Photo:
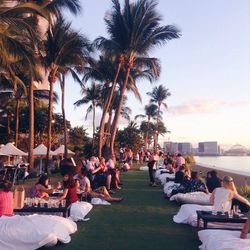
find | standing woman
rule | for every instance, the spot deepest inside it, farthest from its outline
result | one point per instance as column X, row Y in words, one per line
column 152, row 165
column 130, row 157
column 78, row 210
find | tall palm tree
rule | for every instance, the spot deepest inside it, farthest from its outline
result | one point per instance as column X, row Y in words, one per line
column 134, row 31
column 105, row 70
column 91, row 95
column 151, row 112
column 64, row 48
column 159, row 95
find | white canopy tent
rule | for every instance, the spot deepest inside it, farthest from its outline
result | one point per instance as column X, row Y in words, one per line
column 41, row 151
column 60, row 151
column 11, row 150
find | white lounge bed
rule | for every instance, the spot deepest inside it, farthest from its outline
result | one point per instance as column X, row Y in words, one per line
column 223, row 240
column 34, row 231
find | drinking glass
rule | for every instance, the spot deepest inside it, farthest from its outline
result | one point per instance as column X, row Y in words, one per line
column 26, row 201
column 49, row 203
column 230, row 213
column 29, row 202
column 57, row 203
column 41, row 203
column 214, row 211
column 63, row 203
column 235, row 209
column 35, row 202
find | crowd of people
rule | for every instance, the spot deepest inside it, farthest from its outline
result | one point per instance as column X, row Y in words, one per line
column 221, row 192
column 99, row 178
column 93, row 178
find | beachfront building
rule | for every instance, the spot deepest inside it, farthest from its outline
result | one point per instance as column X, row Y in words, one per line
column 178, row 147
column 208, row 148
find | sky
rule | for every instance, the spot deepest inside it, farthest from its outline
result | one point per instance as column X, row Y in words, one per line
column 207, row 70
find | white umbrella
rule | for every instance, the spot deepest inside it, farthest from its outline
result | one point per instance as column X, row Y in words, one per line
column 60, row 151
column 11, row 150
column 41, row 151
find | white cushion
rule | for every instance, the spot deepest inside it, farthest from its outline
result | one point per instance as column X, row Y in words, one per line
column 163, row 177
column 169, row 187
column 187, row 214
column 223, row 240
column 199, row 198
column 33, row 231
column 98, row 201
column 144, row 168
column 79, row 210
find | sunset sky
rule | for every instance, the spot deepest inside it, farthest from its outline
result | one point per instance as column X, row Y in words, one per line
column 207, row 70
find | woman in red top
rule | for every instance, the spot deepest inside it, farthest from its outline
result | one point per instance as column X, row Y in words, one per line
column 6, row 199
column 70, row 187
column 78, row 210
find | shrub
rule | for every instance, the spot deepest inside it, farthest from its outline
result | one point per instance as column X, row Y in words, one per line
column 245, row 191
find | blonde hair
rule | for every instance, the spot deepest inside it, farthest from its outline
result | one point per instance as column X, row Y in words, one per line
column 229, row 184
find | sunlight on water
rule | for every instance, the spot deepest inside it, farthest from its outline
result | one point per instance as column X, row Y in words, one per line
column 233, row 164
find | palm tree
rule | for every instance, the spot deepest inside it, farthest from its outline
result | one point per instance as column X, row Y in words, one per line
column 134, row 31
column 105, row 70
column 159, row 95
column 91, row 95
column 64, row 48
column 150, row 113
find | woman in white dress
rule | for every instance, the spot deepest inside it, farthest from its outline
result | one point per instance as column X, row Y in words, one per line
column 222, row 197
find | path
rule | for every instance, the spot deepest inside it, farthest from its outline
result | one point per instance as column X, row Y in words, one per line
column 142, row 221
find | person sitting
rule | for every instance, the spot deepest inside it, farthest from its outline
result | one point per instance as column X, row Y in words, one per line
column 246, row 228
column 180, row 160
column 180, row 176
column 192, row 185
column 6, row 198
column 100, row 192
column 92, row 170
column 102, row 174
column 222, row 197
column 40, row 189
column 212, row 181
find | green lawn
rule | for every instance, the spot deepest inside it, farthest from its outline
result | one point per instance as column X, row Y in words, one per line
column 142, row 221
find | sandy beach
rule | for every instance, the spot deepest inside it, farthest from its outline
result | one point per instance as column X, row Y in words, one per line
column 240, row 180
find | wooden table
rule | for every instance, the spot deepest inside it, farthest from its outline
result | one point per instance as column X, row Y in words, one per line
column 207, row 216
column 64, row 210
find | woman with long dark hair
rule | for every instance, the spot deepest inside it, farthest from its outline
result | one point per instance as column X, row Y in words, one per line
column 41, row 188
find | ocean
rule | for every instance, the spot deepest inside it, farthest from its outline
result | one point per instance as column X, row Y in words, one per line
column 232, row 164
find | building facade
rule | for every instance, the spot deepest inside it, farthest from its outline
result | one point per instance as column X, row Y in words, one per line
column 208, row 148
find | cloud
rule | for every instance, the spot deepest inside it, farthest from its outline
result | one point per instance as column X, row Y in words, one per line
column 197, row 106
column 204, row 106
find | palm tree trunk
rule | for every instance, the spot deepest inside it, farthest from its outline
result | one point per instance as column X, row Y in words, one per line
column 105, row 110
column 8, row 126
column 31, row 126
column 17, row 121
column 156, row 132
column 93, row 139
column 146, row 144
column 50, row 113
column 64, row 118
column 118, row 113
column 109, row 128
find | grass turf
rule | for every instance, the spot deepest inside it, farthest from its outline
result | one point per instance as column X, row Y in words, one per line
column 142, row 221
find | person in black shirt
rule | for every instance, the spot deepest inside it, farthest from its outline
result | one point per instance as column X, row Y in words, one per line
column 213, row 181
